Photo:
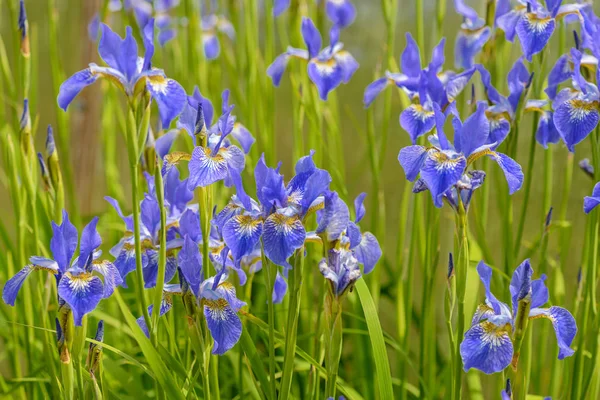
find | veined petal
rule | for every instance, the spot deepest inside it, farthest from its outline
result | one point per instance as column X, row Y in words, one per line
column 112, row 277
column 326, row 75
column 485, row 274
column 120, row 54
column 63, row 242
column 212, row 48
column 165, row 305
column 70, row 88
column 411, row 159
column 417, row 121
column 280, row 289
column 546, row 131
column 534, row 33
column 368, row 251
column 169, row 95
column 512, row 170
column 150, row 269
column 591, row 202
column 373, row 90
column 341, row 12
column 282, row 235
column 206, row 169
column 277, row 68
column 90, row 241
column 241, row 234
column 234, row 156
column 311, row 36
column 224, row 325
column 468, row 46
column 125, row 262
column 82, row 291
column 359, row 207
column 411, row 57
column 564, row 327
column 14, row 284
column 441, row 171
column 334, row 218
column 190, row 263
column 520, row 284
column 487, row 347
column 189, row 225
column 575, row 119
column 348, row 64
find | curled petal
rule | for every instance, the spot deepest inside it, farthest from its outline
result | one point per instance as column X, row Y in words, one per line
column 127, row 220
column 546, row 131
column 564, row 327
column 277, row 68
column 82, row 292
column 485, row 274
column 14, row 284
column 63, row 242
column 280, row 289
column 359, row 207
column 211, row 44
column 373, row 90
column 487, row 347
column 224, row 325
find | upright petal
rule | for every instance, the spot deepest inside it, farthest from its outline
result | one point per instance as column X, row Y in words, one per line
column 82, row 291
column 282, row 236
column 112, row 277
column 411, row 57
column 468, row 46
column 280, row 289
column 315, row 186
column 334, row 218
column 120, row 54
column 125, row 262
column 485, row 274
column 224, row 325
column 190, row 263
column 359, row 207
column 564, row 327
column 520, row 284
column 341, row 12
column 475, row 131
column 312, row 37
column 63, row 242
column 539, row 292
column 70, row 88
column 90, row 241
column 212, row 48
column 487, row 347
column 546, row 130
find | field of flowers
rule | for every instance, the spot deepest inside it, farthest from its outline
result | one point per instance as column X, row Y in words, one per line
column 299, row 199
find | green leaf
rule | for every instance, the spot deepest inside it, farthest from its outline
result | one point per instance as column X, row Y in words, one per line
column 382, row 365
column 161, row 372
column 258, row 369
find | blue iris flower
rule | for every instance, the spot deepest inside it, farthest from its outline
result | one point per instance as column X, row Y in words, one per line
column 473, row 35
column 348, row 246
column 576, row 109
column 132, row 74
column 145, row 10
column 77, row 284
column 425, row 87
column 220, row 159
column 487, row 345
column 591, row 202
column 341, row 12
column 534, row 23
column 327, row 68
column 442, row 166
column 212, row 25
column 177, row 197
column 590, row 32
column 215, row 295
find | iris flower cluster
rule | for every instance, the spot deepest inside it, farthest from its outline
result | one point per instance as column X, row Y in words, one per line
column 341, row 12
column 494, row 339
column 327, row 68
column 443, row 167
column 78, row 285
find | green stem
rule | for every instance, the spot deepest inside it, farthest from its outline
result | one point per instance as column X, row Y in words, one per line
column 333, row 349
column 295, row 286
column 462, row 266
column 270, row 283
column 162, row 253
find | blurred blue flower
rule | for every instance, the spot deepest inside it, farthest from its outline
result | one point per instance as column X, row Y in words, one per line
column 76, row 283
column 487, row 345
column 132, row 74
column 341, row 12
column 471, row 38
column 442, row 166
column 327, row 68
column 212, row 25
column 534, row 24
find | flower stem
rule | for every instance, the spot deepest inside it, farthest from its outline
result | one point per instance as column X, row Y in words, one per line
column 270, row 283
column 333, row 349
column 295, row 286
column 462, row 266
column 162, row 255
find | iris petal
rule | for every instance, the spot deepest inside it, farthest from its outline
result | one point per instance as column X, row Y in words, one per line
column 282, row 235
column 359, row 207
column 211, row 45
column 241, row 234
column 334, row 218
column 280, row 6
column 575, row 119
column 341, row 12
column 112, row 277
column 486, row 347
column 165, row 306
column 90, row 241
column 280, row 289
column 368, row 251
column 546, row 131
column 125, row 262
column 14, row 284
column 417, row 121
column 512, row 170
column 70, row 88
column 468, row 46
column 411, row 57
column 206, row 168
column 534, row 33
column 411, row 159
column 63, row 242
column 440, row 171
column 348, row 64
column 564, row 327
column 170, row 97
column 373, row 90
column 591, row 202
column 311, row 36
column 520, row 284
column 243, row 136
column 82, row 292
column 326, row 75
column 224, row 325
column 485, row 274
column 277, row 68
column 190, row 262
column 120, row 54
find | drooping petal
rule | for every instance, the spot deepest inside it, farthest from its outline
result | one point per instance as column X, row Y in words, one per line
column 499, row 130
column 224, row 325
column 326, row 75
column 63, row 242
column 441, row 171
column 373, row 90
column 241, row 234
column 411, row 159
column 112, row 277
column 534, row 33
column 575, row 119
column 82, row 291
column 70, row 88
column 311, row 36
column 487, row 347
column 368, row 251
column 347, row 63
column 14, row 284
column 125, row 262
column 508, row 23
column 341, row 12
column 170, row 97
column 591, row 202
column 359, row 207
column 206, row 168
column 546, row 131
column 512, row 170
column 277, row 68
column 564, row 327
column 468, row 46
column 243, row 136
column 282, row 235
column 417, row 121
